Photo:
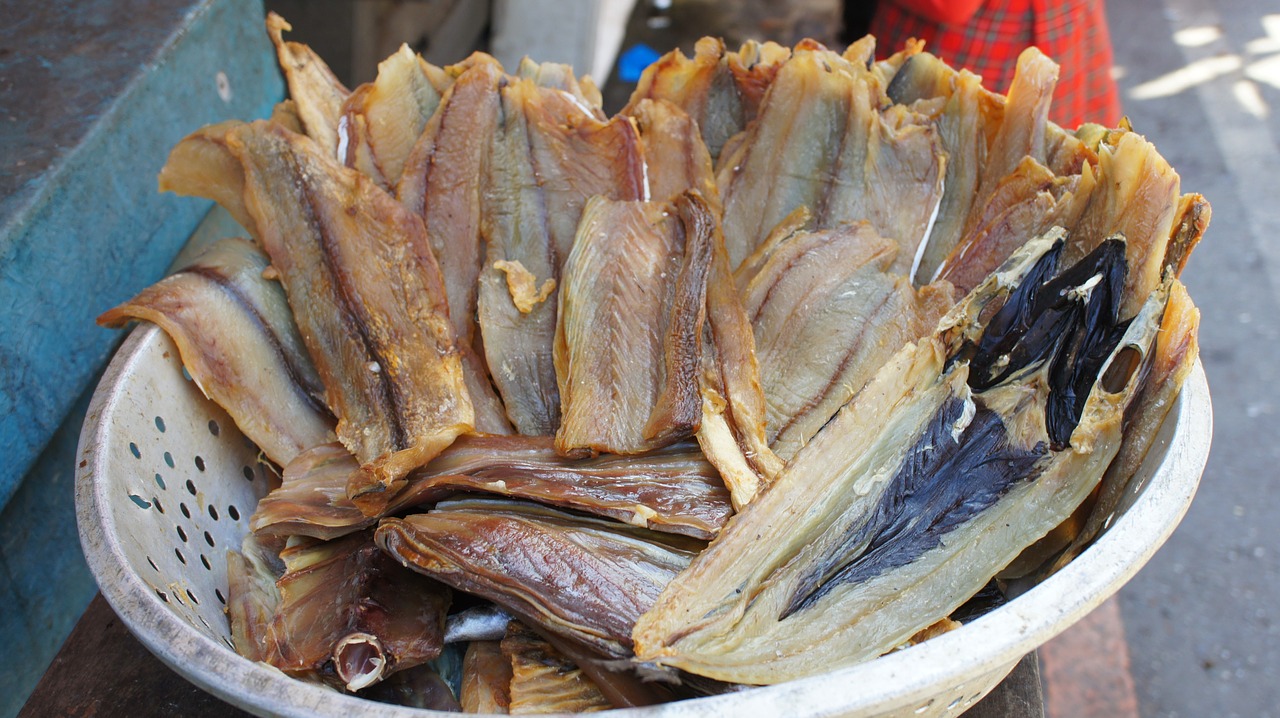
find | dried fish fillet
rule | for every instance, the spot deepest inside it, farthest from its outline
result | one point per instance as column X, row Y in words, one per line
column 822, row 141
column 675, row 158
column 340, row 611
column 443, row 181
column 732, row 433
column 801, row 582
column 720, row 90
column 826, row 314
column 548, row 152
column 316, row 92
column 581, row 578
column 381, row 121
column 201, row 165
column 629, row 333
column 673, row 490
column 368, row 297
column 486, row 679
column 544, row 680
column 239, row 343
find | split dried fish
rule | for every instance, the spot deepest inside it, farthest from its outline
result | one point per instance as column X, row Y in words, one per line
column 237, row 338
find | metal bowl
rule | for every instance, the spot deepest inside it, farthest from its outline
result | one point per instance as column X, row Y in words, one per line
column 166, row 484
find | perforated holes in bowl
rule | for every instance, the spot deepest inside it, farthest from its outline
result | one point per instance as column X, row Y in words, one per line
column 248, row 474
column 163, row 596
column 133, row 449
column 205, row 561
column 156, row 502
column 208, row 538
column 213, row 512
column 168, row 459
column 160, row 424
column 181, row 558
column 160, row 483
column 185, row 511
column 153, row 564
column 191, row 487
column 139, row 501
column 214, row 428
column 196, row 601
column 221, row 599
column 924, row 707
column 181, row 533
column 200, row 463
column 233, row 512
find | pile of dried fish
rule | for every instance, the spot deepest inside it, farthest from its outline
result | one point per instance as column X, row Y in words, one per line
column 883, row 338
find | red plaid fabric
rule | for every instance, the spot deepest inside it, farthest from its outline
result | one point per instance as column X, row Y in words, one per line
column 1072, row 32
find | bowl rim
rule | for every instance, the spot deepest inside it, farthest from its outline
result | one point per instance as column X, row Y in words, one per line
column 909, row 677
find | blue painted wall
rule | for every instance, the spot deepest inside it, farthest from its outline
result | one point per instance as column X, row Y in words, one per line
column 94, row 95
column 82, row 226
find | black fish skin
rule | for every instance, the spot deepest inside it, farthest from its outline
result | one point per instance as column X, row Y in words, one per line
column 942, row 483
column 1048, row 322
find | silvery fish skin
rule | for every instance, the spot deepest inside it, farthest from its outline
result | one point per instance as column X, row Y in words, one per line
column 316, row 92
column 370, row 302
column 581, row 578
column 548, row 151
column 826, row 313
column 629, row 328
column 673, row 490
column 822, row 141
column 238, row 340
column 381, row 120
column 804, row 581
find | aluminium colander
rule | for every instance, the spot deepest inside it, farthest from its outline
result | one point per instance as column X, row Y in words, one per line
column 165, row 486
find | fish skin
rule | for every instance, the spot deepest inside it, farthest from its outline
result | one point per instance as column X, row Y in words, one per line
column 369, row 301
column 581, row 578
column 673, row 490
column 380, row 121
column 629, row 327
column 675, row 157
column 547, row 152
column 821, row 140
column 316, row 92
column 443, row 182
column 826, row 314
column 238, row 340
column 722, row 620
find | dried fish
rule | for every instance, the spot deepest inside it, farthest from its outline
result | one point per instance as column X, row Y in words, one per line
column 548, row 151
column 629, row 333
column 443, row 181
column 674, row 490
column 675, row 158
column 720, row 90
column 367, row 294
column 316, row 92
column 822, row 141
column 238, row 341
column 543, row 680
column 381, row 120
column 826, row 314
column 582, row 578
column 486, row 678
column 801, row 582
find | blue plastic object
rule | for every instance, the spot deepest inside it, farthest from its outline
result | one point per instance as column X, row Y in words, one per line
column 631, row 64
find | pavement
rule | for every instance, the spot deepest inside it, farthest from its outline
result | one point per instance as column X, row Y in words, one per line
column 1201, row 79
